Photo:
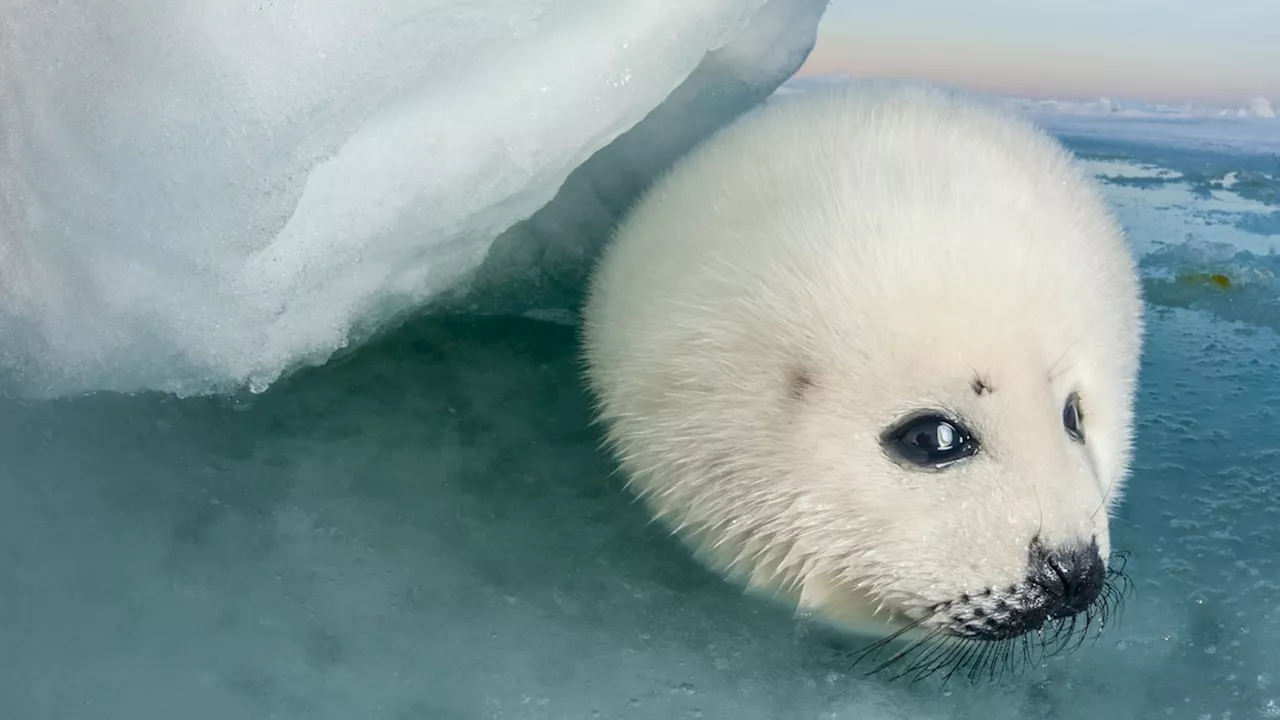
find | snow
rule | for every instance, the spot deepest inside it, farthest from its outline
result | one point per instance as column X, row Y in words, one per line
column 201, row 196
column 1261, row 107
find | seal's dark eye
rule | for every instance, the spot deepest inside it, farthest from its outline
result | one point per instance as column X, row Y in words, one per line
column 930, row 441
column 1073, row 418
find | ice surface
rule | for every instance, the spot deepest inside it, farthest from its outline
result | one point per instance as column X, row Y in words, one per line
column 202, row 194
column 1244, row 135
column 425, row 531
column 428, row 531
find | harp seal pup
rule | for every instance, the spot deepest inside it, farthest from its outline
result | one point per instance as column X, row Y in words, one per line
column 873, row 350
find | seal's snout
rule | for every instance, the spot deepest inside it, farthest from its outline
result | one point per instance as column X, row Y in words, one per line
column 1061, row 581
column 1072, row 576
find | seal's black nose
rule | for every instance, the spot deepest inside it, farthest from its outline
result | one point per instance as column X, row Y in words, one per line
column 1060, row 582
column 1071, row 575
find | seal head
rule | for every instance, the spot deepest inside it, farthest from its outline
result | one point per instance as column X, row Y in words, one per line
column 872, row 350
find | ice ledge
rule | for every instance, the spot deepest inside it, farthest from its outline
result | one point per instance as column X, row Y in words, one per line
column 202, row 196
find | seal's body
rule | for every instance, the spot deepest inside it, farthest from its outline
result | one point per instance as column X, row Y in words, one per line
column 873, row 350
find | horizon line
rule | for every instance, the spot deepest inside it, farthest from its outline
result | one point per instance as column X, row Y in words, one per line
column 806, row 73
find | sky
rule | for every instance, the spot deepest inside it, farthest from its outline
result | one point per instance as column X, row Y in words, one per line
column 1166, row 51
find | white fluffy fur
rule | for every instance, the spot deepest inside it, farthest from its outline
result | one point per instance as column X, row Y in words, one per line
column 822, row 267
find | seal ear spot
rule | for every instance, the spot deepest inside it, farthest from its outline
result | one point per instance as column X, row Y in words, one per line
column 981, row 386
column 799, row 380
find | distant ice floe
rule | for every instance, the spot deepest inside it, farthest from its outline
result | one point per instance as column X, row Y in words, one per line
column 1258, row 107
column 1207, row 238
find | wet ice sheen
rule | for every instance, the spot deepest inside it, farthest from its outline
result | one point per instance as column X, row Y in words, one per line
column 428, row 531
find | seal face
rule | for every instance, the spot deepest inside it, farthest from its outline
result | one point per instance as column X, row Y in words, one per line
column 872, row 350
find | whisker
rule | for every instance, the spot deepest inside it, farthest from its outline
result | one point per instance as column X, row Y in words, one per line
column 952, row 649
column 939, row 652
column 905, row 652
column 884, row 642
column 970, row 647
column 933, row 658
column 933, row 641
column 1054, row 370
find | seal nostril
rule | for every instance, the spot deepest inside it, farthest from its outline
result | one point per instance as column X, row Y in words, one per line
column 1060, row 568
column 1072, row 575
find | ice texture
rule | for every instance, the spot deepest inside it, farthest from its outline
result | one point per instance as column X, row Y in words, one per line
column 428, row 531
column 201, row 195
